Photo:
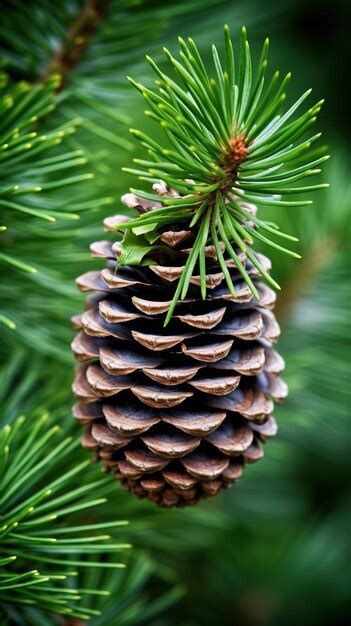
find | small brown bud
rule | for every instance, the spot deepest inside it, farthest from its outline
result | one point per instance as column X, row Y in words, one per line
column 239, row 149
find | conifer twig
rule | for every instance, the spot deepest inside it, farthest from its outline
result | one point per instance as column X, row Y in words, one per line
column 78, row 37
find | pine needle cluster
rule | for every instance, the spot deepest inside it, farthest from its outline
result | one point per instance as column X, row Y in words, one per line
column 46, row 538
column 231, row 145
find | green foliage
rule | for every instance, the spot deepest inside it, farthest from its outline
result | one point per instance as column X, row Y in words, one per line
column 134, row 606
column 22, row 106
column 38, row 206
column 230, row 145
column 44, row 538
column 29, row 178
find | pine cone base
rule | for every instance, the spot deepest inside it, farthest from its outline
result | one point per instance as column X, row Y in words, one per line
column 175, row 413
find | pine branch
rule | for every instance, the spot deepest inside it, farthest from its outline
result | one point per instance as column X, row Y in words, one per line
column 34, row 172
column 232, row 148
column 77, row 40
column 44, row 534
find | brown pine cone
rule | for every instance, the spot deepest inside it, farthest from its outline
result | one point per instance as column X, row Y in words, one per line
column 175, row 412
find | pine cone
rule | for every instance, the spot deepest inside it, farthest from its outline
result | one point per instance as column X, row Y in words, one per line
column 175, row 412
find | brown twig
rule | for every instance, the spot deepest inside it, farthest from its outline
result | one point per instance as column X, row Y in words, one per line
column 77, row 39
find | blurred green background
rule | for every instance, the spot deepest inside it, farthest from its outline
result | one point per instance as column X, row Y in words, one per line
column 276, row 549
